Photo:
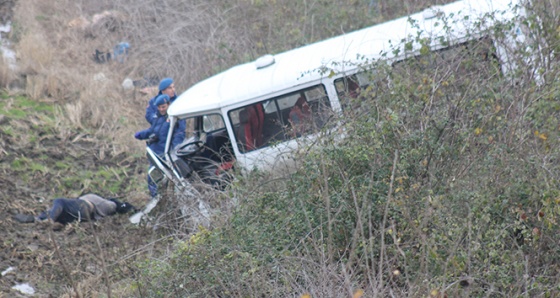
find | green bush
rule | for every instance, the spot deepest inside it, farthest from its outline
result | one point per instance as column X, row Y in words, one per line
column 446, row 181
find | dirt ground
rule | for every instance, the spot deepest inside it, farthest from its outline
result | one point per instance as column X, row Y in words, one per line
column 49, row 257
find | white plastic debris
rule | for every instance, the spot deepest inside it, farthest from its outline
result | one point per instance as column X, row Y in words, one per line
column 10, row 269
column 128, row 84
column 135, row 218
column 6, row 27
column 9, row 56
column 24, row 288
column 99, row 77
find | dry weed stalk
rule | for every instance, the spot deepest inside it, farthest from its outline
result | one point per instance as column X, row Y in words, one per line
column 103, row 263
column 7, row 75
column 73, row 113
column 380, row 283
column 63, row 264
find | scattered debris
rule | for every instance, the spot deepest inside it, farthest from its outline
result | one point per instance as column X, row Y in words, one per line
column 101, row 57
column 6, row 28
column 7, row 53
column 99, row 77
column 137, row 217
column 128, row 84
column 24, row 288
column 120, row 53
column 10, row 269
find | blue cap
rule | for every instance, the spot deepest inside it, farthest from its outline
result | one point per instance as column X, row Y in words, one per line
column 162, row 99
column 165, row 83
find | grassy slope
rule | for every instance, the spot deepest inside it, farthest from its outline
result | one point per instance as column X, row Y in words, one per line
column 37, row 164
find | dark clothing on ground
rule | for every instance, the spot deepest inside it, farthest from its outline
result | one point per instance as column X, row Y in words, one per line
column 69, row 210
column 85, row 208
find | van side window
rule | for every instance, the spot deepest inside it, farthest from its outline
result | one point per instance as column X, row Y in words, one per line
column 212, row 122
column 281, row 118
column 451, row 71
column 351, row 90
column 347, row 88
column 248, row 124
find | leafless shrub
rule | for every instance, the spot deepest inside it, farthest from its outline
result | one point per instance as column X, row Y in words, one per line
column 104, row 23
column 36, row 56
column 34, row 86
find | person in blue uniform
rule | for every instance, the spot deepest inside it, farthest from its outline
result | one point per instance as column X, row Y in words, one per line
column 166, row 86
column 156, row 135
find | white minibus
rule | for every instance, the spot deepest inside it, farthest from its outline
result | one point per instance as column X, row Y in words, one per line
column 253, row 115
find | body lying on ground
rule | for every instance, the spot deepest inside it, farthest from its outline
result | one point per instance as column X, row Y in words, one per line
column 88, row 207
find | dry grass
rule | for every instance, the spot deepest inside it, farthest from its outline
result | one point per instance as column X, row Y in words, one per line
column 56, row 61
column 7, row 75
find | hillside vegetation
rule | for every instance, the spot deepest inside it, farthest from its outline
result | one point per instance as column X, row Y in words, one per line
column 447, row 186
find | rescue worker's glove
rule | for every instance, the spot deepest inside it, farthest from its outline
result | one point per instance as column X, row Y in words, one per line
column 137, row 135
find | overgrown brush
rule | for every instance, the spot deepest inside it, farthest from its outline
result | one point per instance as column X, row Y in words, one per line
column 446, row 183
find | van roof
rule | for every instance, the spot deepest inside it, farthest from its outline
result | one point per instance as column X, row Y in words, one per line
column 245, row 82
